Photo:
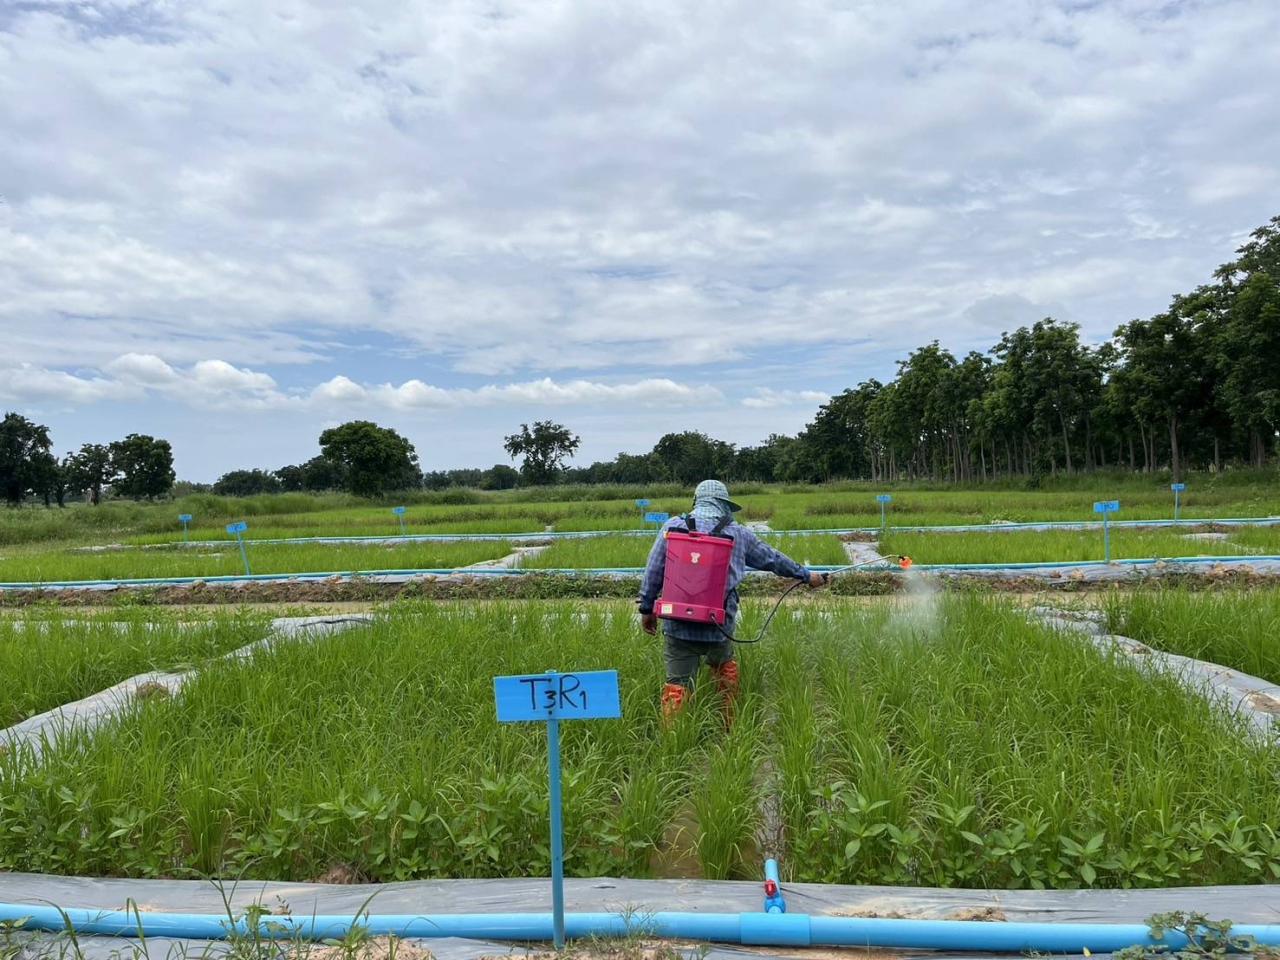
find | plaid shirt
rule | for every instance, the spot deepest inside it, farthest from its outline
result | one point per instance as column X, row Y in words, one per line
column 749, row 551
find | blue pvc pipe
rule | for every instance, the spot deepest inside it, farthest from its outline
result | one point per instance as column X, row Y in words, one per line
column 764, row 929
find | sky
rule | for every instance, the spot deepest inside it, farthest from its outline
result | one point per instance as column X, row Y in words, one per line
column 234, row 224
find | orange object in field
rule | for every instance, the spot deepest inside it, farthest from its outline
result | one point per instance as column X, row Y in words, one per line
column 904, row 562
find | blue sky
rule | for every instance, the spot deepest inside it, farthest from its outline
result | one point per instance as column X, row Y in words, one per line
column 233, row 228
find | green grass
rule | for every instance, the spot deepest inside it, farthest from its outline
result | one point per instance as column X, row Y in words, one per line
column 973, row 749
column 817, row 550
column 47, row 662
column 845, row 504
column 1237, row 629
column 1256, row 539
column 25, row 564
column 607, row 551
column 1051, row 545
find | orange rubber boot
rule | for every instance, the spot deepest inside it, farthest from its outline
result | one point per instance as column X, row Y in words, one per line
column 726, row 678
column 673, row 697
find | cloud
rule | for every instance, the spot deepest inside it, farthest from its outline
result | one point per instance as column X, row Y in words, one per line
column 766, row 398
column 216, row 384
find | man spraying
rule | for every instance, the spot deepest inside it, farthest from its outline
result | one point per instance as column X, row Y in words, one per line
column 706, row 544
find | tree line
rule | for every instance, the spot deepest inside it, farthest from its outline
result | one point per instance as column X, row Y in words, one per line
column 139, row 466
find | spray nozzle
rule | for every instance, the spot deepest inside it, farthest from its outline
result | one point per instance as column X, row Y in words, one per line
column 904, row 562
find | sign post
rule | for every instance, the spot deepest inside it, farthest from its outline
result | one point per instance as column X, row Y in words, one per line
column 185, row 520
column 658, row 518
column 552, row 697
column 642, row 504
column 1177, row 489
column 237, row 530
column 884, row 500
column 1106, row 508
column 399, row 512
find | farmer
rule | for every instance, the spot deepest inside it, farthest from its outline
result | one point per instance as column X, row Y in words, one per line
column 688, row 643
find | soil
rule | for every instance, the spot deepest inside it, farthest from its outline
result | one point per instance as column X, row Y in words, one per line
column 340, row 873
column 379, row 948
column 890, row 909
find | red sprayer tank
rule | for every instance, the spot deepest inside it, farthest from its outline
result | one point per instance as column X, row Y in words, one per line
column 696, row 577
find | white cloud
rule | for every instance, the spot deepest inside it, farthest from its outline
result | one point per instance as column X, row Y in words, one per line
column 765, row 398
column 216, row 384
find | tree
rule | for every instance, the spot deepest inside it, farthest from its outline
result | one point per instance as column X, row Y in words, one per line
column 145, row 465
column 317, row 474
column 500, row 477
column 544, row 449
column 24, row 447
column 90, row 470
column 373, row 459
column 246, row 483
column 690, row 457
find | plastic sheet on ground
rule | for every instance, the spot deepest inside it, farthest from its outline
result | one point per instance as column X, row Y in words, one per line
column 1244, row 904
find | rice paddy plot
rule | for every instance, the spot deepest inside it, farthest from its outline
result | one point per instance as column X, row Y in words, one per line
column 1045, row 546
column 592, row 552
column 48, row 662
column 952, row 745
column 1238, row 629
column 26, row 565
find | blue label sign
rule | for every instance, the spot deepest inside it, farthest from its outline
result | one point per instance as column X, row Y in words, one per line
column 657, row 517
column 398, row 511
column 239, row 527
column 184, row 518
column 592, row 695
column 883, row 498
column 642, row 504
column 1177, row 487
column 1106, row 506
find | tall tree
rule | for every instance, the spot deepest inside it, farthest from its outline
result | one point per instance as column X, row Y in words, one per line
column 689, row 457
column 374, row 459
column 24, row 445
column 145, row 465
column 545, row 447
column 91, row 469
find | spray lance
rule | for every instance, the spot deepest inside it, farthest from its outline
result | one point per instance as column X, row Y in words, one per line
column 902, row 560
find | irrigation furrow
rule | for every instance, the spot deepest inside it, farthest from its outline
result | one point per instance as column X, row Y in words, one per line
column 35, row 732
column 1252, row 697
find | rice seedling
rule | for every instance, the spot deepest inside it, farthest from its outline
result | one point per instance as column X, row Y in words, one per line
column 23, row 565
column 989, row 752
column 1238, row 629
column 47, row 662
column 592, row 552
column 975, row 749
column 1048, row 545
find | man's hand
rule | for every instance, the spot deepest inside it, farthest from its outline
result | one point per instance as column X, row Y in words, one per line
column 816, row 580
column 649, row 622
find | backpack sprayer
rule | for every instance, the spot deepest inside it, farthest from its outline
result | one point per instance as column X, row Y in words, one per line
column 696, row 577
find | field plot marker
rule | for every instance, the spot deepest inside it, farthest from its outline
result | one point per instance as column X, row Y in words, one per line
column 237, row 530
column 399, row 512
column 552, row 697
column 657, row 518
column 185, row 520
column 1106, row 508
column 884, row 500
column 1177, row 489
column 642, row 503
